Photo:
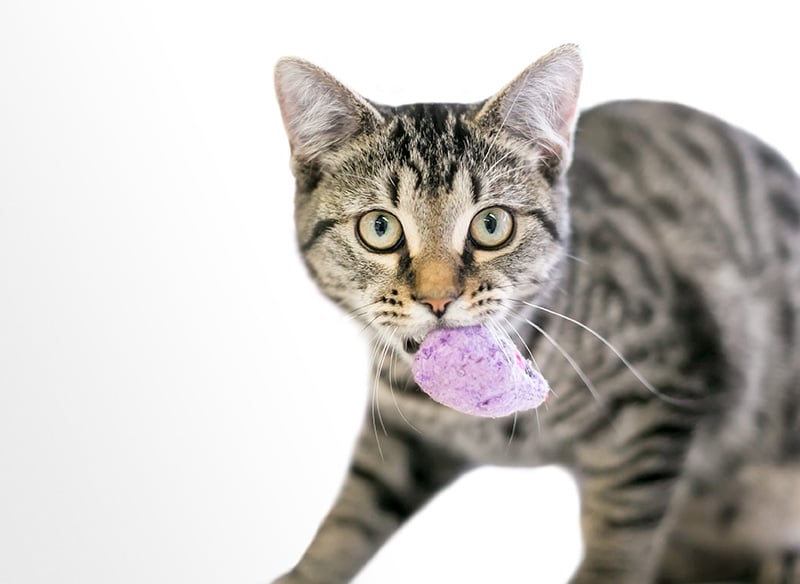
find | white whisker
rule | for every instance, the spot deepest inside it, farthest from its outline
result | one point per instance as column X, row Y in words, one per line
column 524, row 344
column 650, row 387
column 574, row 364
column 577, row 259
column 378, row 370
column 373, row 395
column 513, row 428
column 497, row 335
column 360, row 311
column 392, row 365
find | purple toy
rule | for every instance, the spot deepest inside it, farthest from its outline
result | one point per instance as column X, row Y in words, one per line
column 475, row 372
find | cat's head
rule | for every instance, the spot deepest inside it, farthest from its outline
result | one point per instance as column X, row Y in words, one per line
column 422, row 216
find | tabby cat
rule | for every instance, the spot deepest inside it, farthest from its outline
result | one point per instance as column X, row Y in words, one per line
column 648, row 257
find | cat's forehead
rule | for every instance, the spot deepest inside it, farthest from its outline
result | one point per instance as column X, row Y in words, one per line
column 434, row 138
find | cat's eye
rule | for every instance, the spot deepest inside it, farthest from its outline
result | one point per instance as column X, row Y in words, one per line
column 491, row 228
column 380, row 231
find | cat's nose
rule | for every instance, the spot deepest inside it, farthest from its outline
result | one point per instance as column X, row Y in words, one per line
column 437, row 305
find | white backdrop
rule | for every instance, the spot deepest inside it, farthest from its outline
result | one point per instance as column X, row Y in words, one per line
column 177, row 403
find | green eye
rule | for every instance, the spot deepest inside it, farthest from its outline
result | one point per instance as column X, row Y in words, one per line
column 491, row 228
column 380, row 231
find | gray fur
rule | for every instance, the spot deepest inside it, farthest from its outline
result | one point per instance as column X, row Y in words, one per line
column 673, row 236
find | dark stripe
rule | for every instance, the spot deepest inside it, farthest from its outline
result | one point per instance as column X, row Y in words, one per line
column 671, row 429
column 548, row 224
column 695, row 151
column 609, row 239
column 704, row 354
column 668, row 209
column 307, row 177
column 467, row 258
column 772, row 161
column 392, row 185
column 386, row 499
column 322, row 227
column 634, row 455
column 788, row 320
column 786, row 207
column 430, row 467
column 400, row 140
column 736, row 163
column 462, row 137
column 417, row 173
column 638, row 521
column 368, row 532
column 405, row 270
column 450, row 176
column 477, row 187
column 647, row 478
column 788, row 563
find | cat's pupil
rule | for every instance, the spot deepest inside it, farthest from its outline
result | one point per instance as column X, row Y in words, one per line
column 381, row 225
column 490, row 223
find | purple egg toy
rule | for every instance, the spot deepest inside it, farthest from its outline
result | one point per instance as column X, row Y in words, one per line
column 476, row 372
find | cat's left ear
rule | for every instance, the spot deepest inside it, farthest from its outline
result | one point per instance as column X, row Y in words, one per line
column 541, row 105
column 318, row 111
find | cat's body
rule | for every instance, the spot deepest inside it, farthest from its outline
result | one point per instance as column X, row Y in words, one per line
column 679, row 244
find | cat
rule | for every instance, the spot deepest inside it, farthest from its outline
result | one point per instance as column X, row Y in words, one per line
column 645, row 254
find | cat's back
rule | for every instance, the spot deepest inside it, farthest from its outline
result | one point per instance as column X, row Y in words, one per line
column 692, row 181
column 695, row 219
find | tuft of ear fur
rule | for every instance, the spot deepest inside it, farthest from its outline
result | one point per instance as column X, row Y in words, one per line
column 318, row 111
column 540, row 106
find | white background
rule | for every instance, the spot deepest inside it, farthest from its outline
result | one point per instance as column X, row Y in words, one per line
column 177, row 403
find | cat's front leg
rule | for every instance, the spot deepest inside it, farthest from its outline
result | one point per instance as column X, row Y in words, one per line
column 628, row 495
column 391, row 476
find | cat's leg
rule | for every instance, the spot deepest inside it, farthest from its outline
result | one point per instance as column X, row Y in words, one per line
column 630, row 482
column 385, row 485
column 622, row 543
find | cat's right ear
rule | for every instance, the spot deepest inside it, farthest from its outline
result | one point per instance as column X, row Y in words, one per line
column 319, row 113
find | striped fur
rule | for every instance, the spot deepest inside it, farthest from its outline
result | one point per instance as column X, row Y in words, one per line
column 671, row 247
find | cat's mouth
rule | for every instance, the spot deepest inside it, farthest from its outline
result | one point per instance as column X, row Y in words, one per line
column 411, row 346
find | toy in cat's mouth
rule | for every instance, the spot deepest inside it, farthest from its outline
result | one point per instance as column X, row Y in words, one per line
column 476, row 372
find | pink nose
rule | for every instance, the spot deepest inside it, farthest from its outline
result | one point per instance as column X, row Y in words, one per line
column 437, row 305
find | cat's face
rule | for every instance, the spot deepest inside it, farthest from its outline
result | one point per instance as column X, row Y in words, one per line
column 424, row 216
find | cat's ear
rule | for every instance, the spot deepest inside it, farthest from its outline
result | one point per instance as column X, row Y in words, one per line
column 318, row 111
column 541, row 105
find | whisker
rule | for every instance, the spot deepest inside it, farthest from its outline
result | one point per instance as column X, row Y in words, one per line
column 373, row 395
column 574, row 364
column 524, row 344
column 392, row 366
column 517, row 285
column 376, row 382
column 495, row 177
column 538, row 420
column 369, row 323
column 650, row 387
column 513, row 428
column 359, row 311
column 492, row 327
column 577, row 259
